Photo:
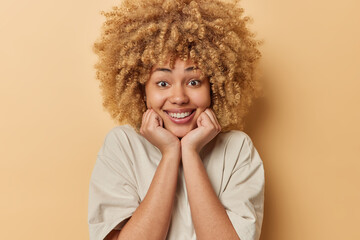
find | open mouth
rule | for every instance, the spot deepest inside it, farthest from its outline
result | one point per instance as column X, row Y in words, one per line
column 181, row 117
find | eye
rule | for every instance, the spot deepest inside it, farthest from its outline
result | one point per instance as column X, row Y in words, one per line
column 194, row 83
column 162, row 84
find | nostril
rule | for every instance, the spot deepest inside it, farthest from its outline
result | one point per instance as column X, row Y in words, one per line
column 179, row 97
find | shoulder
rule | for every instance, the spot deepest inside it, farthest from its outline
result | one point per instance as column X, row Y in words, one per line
column 120, row 138
column 121, row 134
column 239, row 147
column 236, row 138
column 121, row 131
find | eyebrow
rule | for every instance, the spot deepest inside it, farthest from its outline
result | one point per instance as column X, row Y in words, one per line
column 189, row 69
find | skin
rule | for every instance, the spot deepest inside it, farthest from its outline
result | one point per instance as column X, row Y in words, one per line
column 177, row 90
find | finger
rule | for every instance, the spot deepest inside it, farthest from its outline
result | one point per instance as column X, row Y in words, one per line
column 211, row 117
column 214, row 118
column 199, row 120
column 144, row 116
column 154, row 119
column 160, row 121
column 147, row 117
column 204, row 120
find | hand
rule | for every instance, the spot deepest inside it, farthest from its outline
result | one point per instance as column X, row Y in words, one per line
column 208, row 128
column 152, row 129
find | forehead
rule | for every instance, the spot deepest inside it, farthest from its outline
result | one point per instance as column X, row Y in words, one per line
column 179, row 65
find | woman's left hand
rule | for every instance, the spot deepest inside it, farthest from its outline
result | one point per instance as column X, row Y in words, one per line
column 208, row 128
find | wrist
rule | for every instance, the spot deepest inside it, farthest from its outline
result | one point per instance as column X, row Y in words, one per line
column 189, row 149
column 189, row 153
column 172, row 152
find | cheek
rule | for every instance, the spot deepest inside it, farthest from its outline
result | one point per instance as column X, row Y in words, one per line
column 202, row 100
column 155, row 101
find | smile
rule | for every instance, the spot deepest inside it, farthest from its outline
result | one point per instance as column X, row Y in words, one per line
column 181, row 117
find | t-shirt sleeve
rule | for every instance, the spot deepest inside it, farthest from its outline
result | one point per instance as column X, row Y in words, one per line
column 243, row 196
column 113, row 193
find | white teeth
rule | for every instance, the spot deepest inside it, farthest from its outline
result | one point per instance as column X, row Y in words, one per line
column 179, row 115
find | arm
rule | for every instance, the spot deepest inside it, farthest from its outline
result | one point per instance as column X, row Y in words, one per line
column 152, row 217
column 208, row 214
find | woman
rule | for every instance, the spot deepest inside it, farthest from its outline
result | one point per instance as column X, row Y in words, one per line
column 178, row 77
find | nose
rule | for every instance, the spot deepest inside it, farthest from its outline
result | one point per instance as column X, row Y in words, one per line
column 179, row 95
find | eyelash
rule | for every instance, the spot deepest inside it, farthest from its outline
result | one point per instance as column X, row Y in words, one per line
column 198, row 83
column 160, row 82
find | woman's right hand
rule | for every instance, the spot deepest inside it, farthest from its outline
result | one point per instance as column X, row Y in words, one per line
column 152, row 129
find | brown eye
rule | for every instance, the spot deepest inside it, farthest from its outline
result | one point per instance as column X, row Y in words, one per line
column 162, row 84
column 194, row 83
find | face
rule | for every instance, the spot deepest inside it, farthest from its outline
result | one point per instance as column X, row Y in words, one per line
column 178, row 95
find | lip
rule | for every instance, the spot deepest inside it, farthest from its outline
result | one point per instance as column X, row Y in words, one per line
column 182, row 120
column 180, row 110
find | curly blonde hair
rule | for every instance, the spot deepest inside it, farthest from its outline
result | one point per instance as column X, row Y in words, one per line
column 213, row 34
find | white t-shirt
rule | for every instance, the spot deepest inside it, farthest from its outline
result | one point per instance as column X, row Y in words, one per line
column 126, row 165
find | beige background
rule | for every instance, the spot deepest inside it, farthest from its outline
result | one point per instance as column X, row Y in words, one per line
column 306, row 127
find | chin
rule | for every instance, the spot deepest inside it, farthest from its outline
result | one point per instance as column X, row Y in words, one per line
column 179, row 132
